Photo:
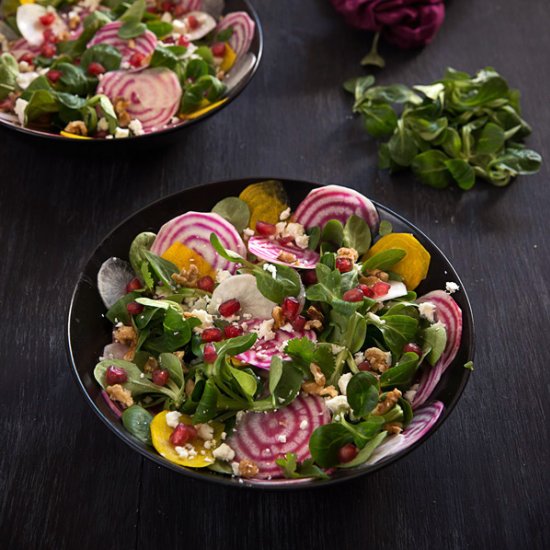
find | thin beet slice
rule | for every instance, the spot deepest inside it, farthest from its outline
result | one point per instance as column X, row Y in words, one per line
column 243, row 31
column 274, row 252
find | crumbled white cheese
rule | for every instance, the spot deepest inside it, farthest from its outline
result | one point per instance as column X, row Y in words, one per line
column 222, row 275
column 451, row 287
column 205, row 318
column 20, row 106
column 248, row 233
column 103, row 125
column 121, row 133
column 235, row 468
column 223, row 436
column 136, row 127
column 427, row 310
column 279, row 228
column 270, row 268
column 182, row 452
column 166, row 17
column 287, row 328
column 304, row 425
column 359, row 357
column 285, row 214
column 207, row 444
column 265, row 330
column 302, row 241
column 24, row 67
column 239, row 416
column 343, row 382
column 336, row 349
column 173, row 419
column 24, row 79
column 224, row 452
column 337, row 404
column 409, row 394
column 205, row 431
column 125, row 65
column 281, row 438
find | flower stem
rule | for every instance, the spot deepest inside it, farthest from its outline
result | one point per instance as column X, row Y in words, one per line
column 373, row 57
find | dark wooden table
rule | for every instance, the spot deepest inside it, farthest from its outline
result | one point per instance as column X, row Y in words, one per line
column 481, row 482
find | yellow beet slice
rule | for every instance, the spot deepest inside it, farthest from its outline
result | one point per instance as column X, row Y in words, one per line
column 414, row 266
column 203, row 110
column 69, row 134
column 266, row 201
column 183, row 257
column 161, row 432
column 229, row 58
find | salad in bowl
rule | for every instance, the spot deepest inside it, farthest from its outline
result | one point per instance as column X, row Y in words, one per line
column 112, row 69
column 275, row 345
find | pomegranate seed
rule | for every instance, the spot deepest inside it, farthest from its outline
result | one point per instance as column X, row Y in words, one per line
column 179, row 10
column 209, row 353
column 353, row 295
column 193, row 22
column 367, row 291
column 343, row 265
column 212, row 335
column 134, row 284
column 309, row 277
column 134, row 308
column 218, row 49
column 231, row 331
column 167, row 6
column 286, row 240
column 47, row 19
column 95, row 68
column 365, row 365
column 229, row 307
column 28, row 58
column 182, row 434
column 151, row 9
column 380, row 288
column 206, row 283
column 49, row 35
column 183, row 41
column 115, row 375
column 265, row 229
column 291, row 308
column 299, row 323
column 48, row 50
column 54, row 75
column 412, row 347
column 347, row 453
column 160, row 377
column 136, row 59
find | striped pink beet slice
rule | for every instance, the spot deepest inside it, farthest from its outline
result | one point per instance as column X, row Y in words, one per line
column 243, row 31
column 271, row 250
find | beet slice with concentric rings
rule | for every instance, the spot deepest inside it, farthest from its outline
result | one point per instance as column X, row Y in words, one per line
column 243, row 31
column 265, row 437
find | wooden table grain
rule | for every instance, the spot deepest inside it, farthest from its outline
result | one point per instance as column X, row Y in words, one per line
column 66, row 482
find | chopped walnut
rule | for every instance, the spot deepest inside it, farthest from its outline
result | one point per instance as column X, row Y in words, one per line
column 187, row 277
column 130, row 354
column 125, row 335
column 287, row 257
column 369, row 281
column 151, row 365
column 315, row 314
column 248, row 468
column 278, row 317
column 189, row 387
column 318, row 375
column 120, row 105
column 315, row 389
column 77, row 127
column 349, row 253
column 314, row 324
column 389, row 402
column 74, row 21
column 63, row 36
column 120, row 394
column 379, row 274
column 379, row 360
column 393, row 427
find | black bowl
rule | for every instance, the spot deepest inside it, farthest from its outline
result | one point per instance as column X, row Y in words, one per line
column 88, row 330
column 162, row 137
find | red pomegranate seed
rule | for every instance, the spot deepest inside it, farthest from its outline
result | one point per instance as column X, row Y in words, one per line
column 48, row 50
column 151, row 9
column 193, row 22
column 28, row 58
column 183, row 41
column 229, row 307
column 299, row 323
column 365, row 365
column 209, row 353
column 47, row 19
column 134, row 308
column 206, row 283
column 167, row 6
column 49, row 35
column 291, row 308
column 380, row 288
column 54, row 75
column 136, row 59
column 95, row 68
column 367, row 291
column 160, row 377
column 218, row 49
column 231, row 331
column 115, row 375
column 412, row 347
column 265, row 229
column 134, row 284
column 286, row 240
column 353, row 295
column 309, row 277
column 347, row 453
column 343, row 265
column 182, row 434
column 212, row 335
column 179, row 10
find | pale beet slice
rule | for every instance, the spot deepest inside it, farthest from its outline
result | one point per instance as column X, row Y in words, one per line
column 112, row 278
column 284, row 254
column 243, row 31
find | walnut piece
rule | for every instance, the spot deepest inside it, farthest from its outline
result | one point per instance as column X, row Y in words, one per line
column 187, row 277
column 278, row 317
column 318, row 375
column 314, row 324
column 315, row 314
column 77, row 127
column 151, row 365
column 74, row 21
column 313, row 388
column 120, row 394
column 379, row 360
column 287, row 257
column 349, row 253
column 248, row 468
column 369, row 281
column 393, row 427
column 125, row 335
column 120, row 105
column 389, row 402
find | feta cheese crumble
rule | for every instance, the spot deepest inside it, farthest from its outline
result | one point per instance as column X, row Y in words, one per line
column 136, row 127
column 285, row 214
column 121, row 133
column 224, row 453
column 343, row 382
column 281, row 438
column 451, row 287
column 20, row 106
column 427, row 310
column 270, row 268
column 337, row 404
column 304, row 425
column 205, row 431
column 173, row 419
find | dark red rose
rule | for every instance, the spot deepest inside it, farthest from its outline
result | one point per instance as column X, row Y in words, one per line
column 405, row 23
